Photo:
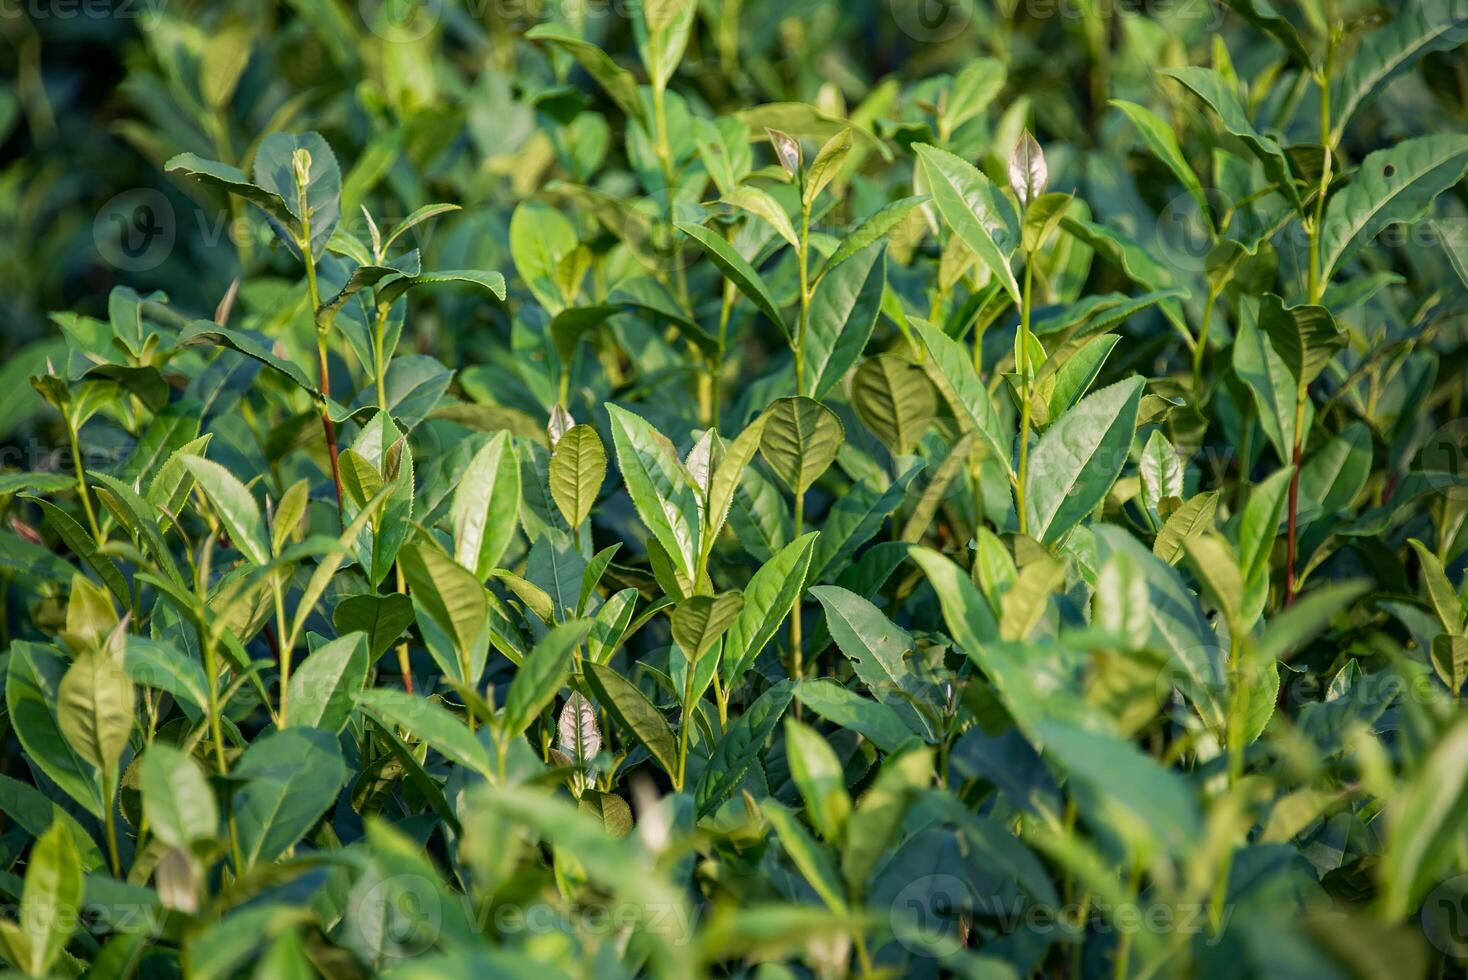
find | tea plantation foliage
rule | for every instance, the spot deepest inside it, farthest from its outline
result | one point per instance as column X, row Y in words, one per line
column 711, row 489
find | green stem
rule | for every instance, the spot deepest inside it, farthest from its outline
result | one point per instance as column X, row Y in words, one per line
column 665, row 160
column 1023, row 354
column 1202, row 344
column 683, row 728
column 716, row 369
column 1291, row 533
column 1318, row 277
column 804, row 256
column 313, row 294
column 81, row 483
column 796, row 653
column 379, row 341
column 109, row 790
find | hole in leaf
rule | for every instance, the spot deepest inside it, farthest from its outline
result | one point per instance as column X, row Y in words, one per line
column 1389, row 170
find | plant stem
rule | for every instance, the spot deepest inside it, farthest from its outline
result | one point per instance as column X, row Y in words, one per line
column 796, row 654
column 109, row 790
column 804, row 256
column 683, row 728
column 716, row 369
column 313, row 293
column 404, row 664
column 665, row 159
column 1202, row 344
column 1023, row 353
column 1291, row 543
column 379, row 340
column 81, row 483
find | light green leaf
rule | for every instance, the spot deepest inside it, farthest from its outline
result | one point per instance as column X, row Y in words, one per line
column 666, row 498
column 1079, row 458
column 975, row 209
column 486, row 506
column 800, row 441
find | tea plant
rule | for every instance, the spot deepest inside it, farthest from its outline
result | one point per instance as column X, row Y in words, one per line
column 638, row 496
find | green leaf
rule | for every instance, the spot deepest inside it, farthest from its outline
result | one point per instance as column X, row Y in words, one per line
column 233, row 504
column 876, row 821
column 1394, row 185
column 94, row 708
column 1079, row 458
column 540, row 240
column 1261, row 14
column 275, row 172
column 1427, row 823
column 1305, row 337
column 1222, row 97
column 768, row 599
column 428, row 721
column 487, row 280
column 843, row 313
column 800, row 441
column 1194, row 517
column 975, row 209
column 737, row 270
column 1217, row 570
column 323, row 689
column 289, row 779
column 51, row 899
column 1335, row 473
column 951, row 369
column 541, row 675
column 634, row 713
column 231, row 180
column 209, row 332
column 82, row 543
column 1449, row 657
column 177, row 799
column 486, row 506
column 815, row 862
column 878, row 722
column 736, row 752
column 759, row 203
column 1178, row 627
column 1440, row 591
column 666, row 498
column 578, row 467
column 453, row 598
column 617, row 81
column 827, row 164
column 1162, row 141
column 1269, row 380
column 1258, row 530
column 727, row 473
column 873, row 229
column 699, row 621
column 895, row 399
column 381, row 617
column 1128, row 792
column 820, row 778
column 1416, row 30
